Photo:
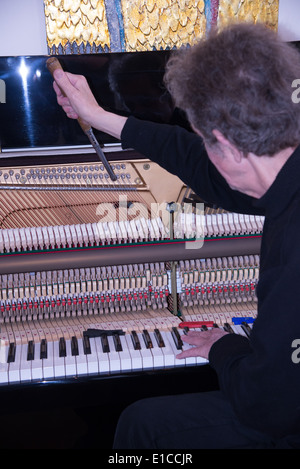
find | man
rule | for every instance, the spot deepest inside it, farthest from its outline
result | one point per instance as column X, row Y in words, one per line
column 235, row 88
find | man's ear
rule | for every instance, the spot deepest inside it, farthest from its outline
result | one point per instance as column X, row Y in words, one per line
column 220, row 138
column 228, row 147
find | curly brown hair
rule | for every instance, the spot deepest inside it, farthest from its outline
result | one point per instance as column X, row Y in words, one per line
column 239, row 81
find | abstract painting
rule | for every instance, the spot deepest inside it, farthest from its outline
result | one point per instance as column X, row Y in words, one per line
column 95, row 26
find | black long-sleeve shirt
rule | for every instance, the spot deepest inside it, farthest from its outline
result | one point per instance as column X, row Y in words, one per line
column 260, row 376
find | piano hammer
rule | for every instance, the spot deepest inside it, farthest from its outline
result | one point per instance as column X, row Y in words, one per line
column 52, row 65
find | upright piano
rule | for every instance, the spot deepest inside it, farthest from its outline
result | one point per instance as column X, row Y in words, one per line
column 99, row 278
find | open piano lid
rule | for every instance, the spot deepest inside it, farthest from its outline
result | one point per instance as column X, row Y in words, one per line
column 124, row 83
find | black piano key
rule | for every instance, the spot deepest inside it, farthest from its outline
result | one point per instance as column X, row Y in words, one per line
column 135, row 341
column 43, row 351
column 62, row 347
column 105, row 344
column 99, row 332
column 228, row 328
column 177, row 339
column 159, row 339
column 246, row 328
column 30, row 350
column 74, row 346
column 11, row 352
column 147, row 339
column 86, row 345
column 117, row 342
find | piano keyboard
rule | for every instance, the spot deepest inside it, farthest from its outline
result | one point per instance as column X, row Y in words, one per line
column 72, row 353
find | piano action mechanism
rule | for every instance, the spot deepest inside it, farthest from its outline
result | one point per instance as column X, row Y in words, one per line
column 81, row 252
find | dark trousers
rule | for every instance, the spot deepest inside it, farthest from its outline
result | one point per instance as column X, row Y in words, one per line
column 189, row 421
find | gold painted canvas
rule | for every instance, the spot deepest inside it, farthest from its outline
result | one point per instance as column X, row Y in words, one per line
column 95, row 26
column 72, row 23
column 249, row 10
column 161, row 24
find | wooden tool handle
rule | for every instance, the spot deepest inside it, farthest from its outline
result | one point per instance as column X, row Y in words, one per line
column 54, row 64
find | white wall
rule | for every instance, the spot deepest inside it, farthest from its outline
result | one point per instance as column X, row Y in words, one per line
column 23, row 29
column 289, row 20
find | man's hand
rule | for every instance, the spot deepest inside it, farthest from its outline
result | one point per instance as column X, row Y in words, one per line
column 202, row 341
column 74, row 95
column 77, row 100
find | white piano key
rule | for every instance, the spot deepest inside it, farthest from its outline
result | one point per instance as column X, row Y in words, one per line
column 37, row 363
column 48, row 363
column 125, row 357
column 136, row 358
column 92, row 358
column 70, row 362
column 14, row 367
column 158, row 356
column 201, row 360
column 103, row 360
column 177, row 361
column 113, row 356
column 25, row 365
column 238, row 330
column 58, row 362
column 147, row 358
column 81, row 360
column 167, row 350
column 3, row 364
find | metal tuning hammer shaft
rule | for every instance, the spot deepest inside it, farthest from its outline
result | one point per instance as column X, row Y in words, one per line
column 54, row 64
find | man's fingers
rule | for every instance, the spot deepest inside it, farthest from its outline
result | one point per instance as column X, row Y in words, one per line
column 57, row 90
column 194, row 337
column 202, row 342
column 191, row 352
column 62, row 81
column 69, row 82
column 64, row 102
column 71, row 114
column 74, row 95
column 65, row 83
